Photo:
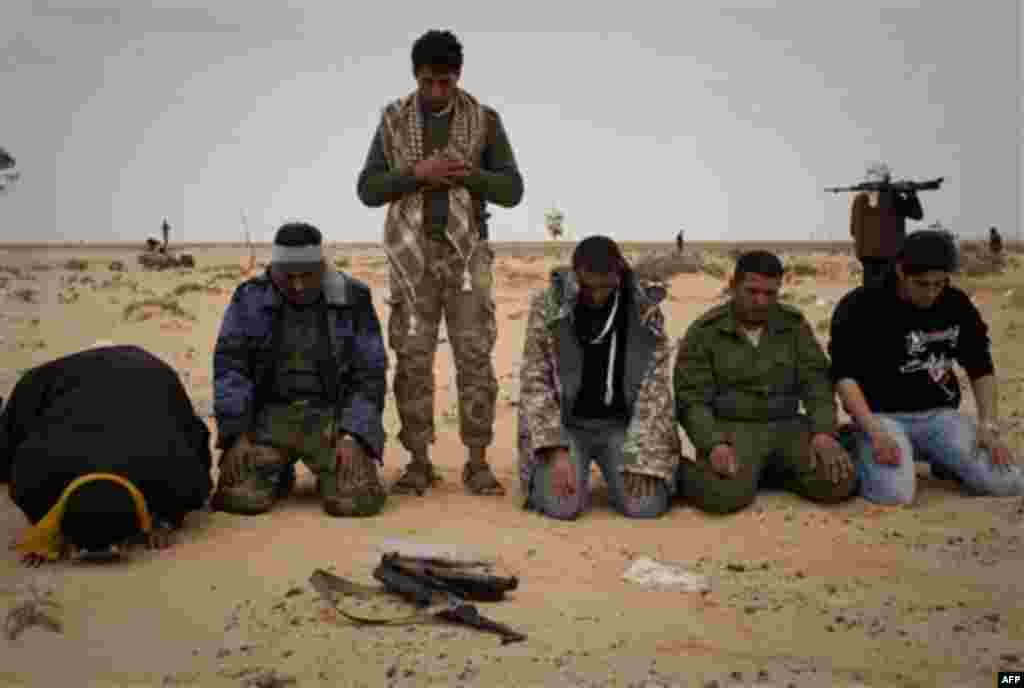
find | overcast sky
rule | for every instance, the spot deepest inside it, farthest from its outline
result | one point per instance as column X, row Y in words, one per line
column 636, row 119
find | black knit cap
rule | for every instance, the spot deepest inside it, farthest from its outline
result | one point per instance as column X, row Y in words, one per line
column 297, row 235
column 928, row 250
column 99, row 514
column 762, row 262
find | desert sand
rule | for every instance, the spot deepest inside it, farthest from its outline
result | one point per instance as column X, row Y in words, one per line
column 801, row 595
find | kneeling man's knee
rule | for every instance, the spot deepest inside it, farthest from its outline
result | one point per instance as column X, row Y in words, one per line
column 725, row 498
column 895, row 490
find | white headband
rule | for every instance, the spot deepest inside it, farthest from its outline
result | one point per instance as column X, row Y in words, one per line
column 296, row 254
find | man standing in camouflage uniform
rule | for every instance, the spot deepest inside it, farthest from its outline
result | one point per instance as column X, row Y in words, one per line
column 300, row 374
column 595, row 385
column 438, row 157
column 741, row 372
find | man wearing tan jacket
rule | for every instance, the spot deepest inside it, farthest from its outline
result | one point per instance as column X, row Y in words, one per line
column 878, row 225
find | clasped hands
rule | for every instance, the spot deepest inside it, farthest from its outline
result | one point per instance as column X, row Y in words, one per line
column 441, row 173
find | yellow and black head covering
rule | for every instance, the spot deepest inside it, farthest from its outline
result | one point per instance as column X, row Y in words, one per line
column 45, row 537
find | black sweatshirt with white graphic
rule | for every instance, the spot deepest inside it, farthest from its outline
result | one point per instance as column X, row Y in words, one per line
column 902, row 356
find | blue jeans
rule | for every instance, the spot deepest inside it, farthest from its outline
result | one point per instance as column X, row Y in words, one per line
column 604, row 446
column 944, row 438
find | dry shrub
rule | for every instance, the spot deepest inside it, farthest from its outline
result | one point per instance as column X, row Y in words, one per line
column 976, row 264
column 804, row 269
column 26, row 295
column 139, row 311
column 715, row 270
column 1017, row 299
column 76, row 264
column 190, row 287
column 662, row 268
column 11, row 270
column 116, row 266
column 223, row 268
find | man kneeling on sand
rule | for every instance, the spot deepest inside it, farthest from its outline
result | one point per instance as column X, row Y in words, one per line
column 742, row 371
column 299, row 374
column 102, row 447
column 595, row 385
column 892, row 352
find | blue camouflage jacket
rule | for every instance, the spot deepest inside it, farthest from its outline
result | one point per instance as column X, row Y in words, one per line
column 246, row 353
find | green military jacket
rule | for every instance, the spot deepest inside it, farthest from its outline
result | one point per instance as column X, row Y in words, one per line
column 721, row 376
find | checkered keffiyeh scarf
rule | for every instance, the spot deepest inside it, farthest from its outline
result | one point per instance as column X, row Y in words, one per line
column 402, row 134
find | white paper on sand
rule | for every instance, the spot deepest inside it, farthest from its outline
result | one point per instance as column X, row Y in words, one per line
column 661, row 576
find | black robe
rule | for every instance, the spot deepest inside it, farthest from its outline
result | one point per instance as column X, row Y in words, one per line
column 115, row 409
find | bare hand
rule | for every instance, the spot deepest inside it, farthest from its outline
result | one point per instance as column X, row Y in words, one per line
column 161, row 537
column 350, row 456
column 440, row 171
column 235, row 461
column 723, row 460
column 34, row 561
column 640, row 486
column 563, row 474
column 835, row 460
column 886, row 450
column 997, row 449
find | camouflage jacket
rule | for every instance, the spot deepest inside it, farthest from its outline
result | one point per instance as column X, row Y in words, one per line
column 247, row 344
column 550, row 378
column 720, row 374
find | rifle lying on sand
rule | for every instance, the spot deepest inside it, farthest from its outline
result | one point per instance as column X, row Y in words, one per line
column 902, row 186
column 439, row 589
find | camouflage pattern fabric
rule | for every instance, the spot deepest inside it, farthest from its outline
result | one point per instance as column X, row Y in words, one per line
column 402, row 134
column 651, row 446
column 472, row 331
column 284, row 434
column 720, row 375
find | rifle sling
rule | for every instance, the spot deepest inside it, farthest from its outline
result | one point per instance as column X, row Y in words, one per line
column 441, row 613
column 333, row 589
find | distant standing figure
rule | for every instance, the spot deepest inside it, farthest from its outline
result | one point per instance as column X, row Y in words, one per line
column 878, row 226
column 679, row 241
column 166, row 229
column 995, row 242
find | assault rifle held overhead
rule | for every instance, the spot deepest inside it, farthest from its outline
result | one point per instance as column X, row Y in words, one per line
column 901, row 186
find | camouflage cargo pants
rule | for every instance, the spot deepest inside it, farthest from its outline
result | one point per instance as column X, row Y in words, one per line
column 778, row 451
column 284, row 435
column 472, row 330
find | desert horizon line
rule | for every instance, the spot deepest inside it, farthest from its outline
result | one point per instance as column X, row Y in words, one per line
column 711, row 244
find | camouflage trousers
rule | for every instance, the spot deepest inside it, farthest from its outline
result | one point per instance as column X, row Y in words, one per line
column 285, row 434
column 472, row 329
column 773, row 452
